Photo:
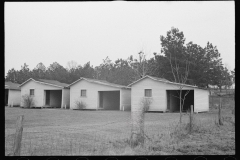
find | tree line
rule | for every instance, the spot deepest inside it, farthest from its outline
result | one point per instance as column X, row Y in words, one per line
column 205, row 66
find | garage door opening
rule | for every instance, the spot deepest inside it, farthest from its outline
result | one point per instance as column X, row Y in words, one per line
column 6, row 97
column 53, row 98
column 109, row 100
column 173, row 102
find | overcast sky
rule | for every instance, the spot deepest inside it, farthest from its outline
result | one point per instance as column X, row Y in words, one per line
column 50, row 32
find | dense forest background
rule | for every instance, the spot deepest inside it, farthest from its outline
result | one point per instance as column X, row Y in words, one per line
column 205, row 66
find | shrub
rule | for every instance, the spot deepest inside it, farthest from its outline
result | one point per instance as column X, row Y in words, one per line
column 28, row 101
column 80, row 104
column 146, row 102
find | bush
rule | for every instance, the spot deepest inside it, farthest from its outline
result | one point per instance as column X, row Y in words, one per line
column 80, row 105
column 146, row 102
column 28, row 101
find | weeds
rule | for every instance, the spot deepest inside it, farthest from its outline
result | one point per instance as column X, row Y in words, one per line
column 146, row 102
column 179, row 132
column 80, row 104
column 28, row 101
column 228, row 119
column 163, row 135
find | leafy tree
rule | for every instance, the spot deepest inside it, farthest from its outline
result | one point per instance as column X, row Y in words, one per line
column 19, row 76
column 71, row 65
column 74, row 74
column 87, row 70
column 57, row 72
column 80, row 71
column 161, row 65
column 141, row 66
column 175, row 51
column 12, row 76
column 102, row 71
column 214, row 62
column 39, row 71
column 41, row 66
column 122, row 73
column 24, row 74
column 119, row 72
column 233, row 75
column 199, row 64
column 223, row 78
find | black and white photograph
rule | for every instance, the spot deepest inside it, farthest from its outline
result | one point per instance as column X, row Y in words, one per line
column 119, row 78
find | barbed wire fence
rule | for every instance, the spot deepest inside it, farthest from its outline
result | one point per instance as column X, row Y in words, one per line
column 89, row 139
column 103, row 139
column 227, row 101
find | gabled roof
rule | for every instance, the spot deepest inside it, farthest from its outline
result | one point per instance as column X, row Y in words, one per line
column 11, row 85
column 54, row 82
column 151, row 77
column 47, row 82
column 164, row 81
column 160, row 79
column 102, row 82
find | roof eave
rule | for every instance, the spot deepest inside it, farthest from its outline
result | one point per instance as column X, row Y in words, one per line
column 164, row 82
column 13, row 89
column 66, row 87
column 49, row 84
column 41, row 83
column 74, row 82
column 104, row 84
column 10, row 88
column 25, row 82
column 91, row 81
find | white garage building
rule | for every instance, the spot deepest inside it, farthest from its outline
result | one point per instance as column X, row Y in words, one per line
column 12, row 94
column 99, row 94
column 165, row 95
column 46, row 93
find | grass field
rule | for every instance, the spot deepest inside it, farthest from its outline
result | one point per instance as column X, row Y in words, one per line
column 71, row 132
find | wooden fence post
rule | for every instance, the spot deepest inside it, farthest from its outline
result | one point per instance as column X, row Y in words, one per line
column 191, row 114
column 219, row 111
column 18, row 136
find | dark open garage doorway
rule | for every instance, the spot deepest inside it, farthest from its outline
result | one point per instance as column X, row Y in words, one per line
column 6, row 97
column 53, row 98
column 173, row 102
column 109, row 100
